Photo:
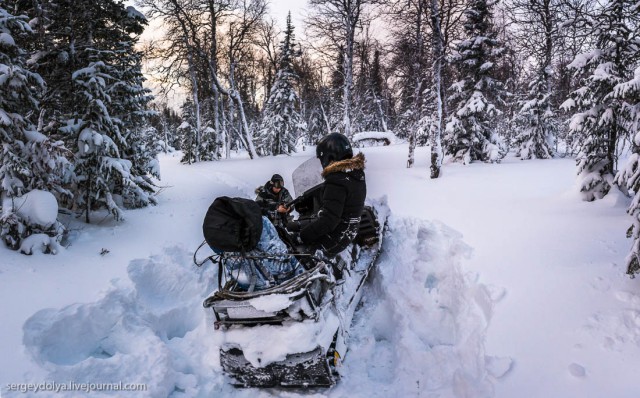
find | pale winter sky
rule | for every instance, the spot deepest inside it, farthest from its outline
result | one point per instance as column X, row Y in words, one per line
column 278, row 9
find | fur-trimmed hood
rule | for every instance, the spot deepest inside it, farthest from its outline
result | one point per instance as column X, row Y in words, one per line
column 266, row 188
column 355, row 163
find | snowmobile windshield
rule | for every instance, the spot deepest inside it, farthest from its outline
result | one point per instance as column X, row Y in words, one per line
column 306, row 176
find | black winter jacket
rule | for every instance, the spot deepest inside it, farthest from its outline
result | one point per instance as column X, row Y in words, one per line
column 343, row 198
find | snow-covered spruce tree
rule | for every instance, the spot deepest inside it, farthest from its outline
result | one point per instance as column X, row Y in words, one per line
column 369, row 105
column 187, row 132
column 281, row 122
column 469, row 135
column 85, row 53
column 536, row 123
column 602, row 120
column 99, row 167
column 113, row 161
column 629, row 175
column 335, row 109
column 130, row 104
column 28, row 160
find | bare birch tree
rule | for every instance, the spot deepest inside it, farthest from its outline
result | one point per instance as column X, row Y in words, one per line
column 337, row 23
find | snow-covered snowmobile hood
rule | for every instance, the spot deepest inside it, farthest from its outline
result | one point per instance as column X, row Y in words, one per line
column 355, row 163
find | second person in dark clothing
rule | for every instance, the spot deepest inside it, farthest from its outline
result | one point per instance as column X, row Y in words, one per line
column 344, row 193
column 272, row 197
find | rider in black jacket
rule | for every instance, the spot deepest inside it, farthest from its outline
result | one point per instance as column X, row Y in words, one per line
column 343, row 197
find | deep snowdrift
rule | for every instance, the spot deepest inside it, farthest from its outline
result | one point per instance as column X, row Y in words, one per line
column 421, row 329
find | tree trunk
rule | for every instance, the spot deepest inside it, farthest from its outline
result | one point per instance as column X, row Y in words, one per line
column 235, row 95
column 88, row 199
column 196, row 104
column 417, row 93
column 436, row 133
column 325, row 118
column 412, row 148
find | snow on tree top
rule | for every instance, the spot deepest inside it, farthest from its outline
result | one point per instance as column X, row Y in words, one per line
column 135, row 14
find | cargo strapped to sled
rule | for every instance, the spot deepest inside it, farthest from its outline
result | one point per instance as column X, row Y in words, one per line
column 304, row 292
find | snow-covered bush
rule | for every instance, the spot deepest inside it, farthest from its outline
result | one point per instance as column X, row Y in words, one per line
column 30, row 220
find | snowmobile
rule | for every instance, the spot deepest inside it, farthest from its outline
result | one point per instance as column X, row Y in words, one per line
column 293, row 332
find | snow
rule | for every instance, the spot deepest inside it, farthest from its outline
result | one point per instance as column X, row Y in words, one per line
column 486, row 66
column 6, row 40
column 35, row 136
column 271, row 302
column 604, row 71
column 133, row 13
column 495, row 281
column 568, row 104
column 42, row 242
column 37, row 207
column 581, row 60
column 89, row 71
column 89, row 140
column 375, row 135
column 5, row 120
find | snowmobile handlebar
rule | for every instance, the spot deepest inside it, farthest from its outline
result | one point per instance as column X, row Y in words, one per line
column 294, row 202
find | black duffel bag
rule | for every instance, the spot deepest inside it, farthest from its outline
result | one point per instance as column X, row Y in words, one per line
column 232, row 224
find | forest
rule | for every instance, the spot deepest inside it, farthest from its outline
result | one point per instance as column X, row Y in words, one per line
column 471, row 79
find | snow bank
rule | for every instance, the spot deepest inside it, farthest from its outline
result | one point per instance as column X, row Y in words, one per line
column 420, row 332
column 150, row 331
column 422, row 329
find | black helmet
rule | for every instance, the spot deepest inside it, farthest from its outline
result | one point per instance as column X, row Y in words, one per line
column 332, row 148
column 277, row 181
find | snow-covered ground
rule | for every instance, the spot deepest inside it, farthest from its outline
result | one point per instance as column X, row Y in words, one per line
column 496, row 280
